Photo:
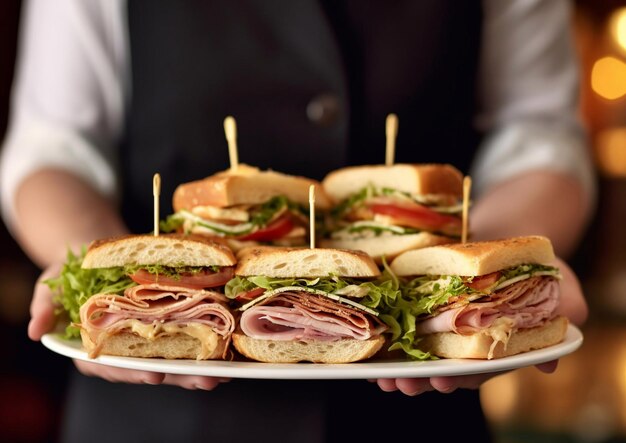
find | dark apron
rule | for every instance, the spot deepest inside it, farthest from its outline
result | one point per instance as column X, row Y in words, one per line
column 310, row 85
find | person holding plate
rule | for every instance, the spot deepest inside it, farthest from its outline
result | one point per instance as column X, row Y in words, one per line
column 108, row 92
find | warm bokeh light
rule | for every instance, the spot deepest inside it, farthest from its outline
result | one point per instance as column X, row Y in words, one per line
column 618, row 27
column 619, row 373
column 500, row 396
column 608, row 78
column 611, row 151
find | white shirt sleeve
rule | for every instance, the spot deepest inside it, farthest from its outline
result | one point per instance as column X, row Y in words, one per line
column 529, row 89
column 72, row 80
column 68, row 96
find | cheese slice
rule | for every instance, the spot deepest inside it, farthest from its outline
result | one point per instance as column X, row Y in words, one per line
column 204, row 333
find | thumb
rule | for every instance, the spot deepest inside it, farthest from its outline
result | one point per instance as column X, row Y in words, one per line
column 42, row 306
column 548, row 367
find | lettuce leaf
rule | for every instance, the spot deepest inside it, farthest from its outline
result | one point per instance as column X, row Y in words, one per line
column 260, row 216
column 168, row 271
column 74, row 285
column 358, row 198
column 266, row 212
column 434, row 291
column 530, row 269
column 331, row 285
column 376, row 228
column 353, row 201
column 172, row 223
column 399, row 311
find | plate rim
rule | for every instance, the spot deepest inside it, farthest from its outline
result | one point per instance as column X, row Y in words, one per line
column 304, row 371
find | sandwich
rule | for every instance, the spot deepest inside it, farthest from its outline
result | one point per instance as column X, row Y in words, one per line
column 483, row 300
column 246, row 207
column 150, row 296
column 299, row 304
column 386, row 210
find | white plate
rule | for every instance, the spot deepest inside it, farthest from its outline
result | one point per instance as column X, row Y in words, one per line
column 364, row 370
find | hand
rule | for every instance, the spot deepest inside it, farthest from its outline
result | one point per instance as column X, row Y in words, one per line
column 120, row 375
column 43, row 320
column 445, row 385
column 573, row 304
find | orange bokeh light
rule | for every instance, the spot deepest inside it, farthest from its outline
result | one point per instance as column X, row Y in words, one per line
column 608, row 78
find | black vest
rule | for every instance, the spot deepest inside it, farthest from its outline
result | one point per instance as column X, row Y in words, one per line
column 310, row 85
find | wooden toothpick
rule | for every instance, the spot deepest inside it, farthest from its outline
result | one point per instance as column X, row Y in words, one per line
column 467, row 185
column 230, row 129
column 391, row 133
column 312, row 216
column 156, row 192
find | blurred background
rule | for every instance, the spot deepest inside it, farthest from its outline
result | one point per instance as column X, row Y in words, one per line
column 584, row 401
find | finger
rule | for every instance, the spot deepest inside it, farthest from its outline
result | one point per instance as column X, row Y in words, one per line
column 42, row 313
column 387, row 384
column 446, row 385
column 414, row 386
column 119, row 375
column 42, row 307
column 548, row 367
column 193, row 381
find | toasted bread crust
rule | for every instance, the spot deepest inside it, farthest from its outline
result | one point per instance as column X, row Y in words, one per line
column 474, row 258
column 166, row 249
column 304, row 262
column 175, row 346
column 275, row 351
column 420, row 179
column 451, row 345
column 250, row 187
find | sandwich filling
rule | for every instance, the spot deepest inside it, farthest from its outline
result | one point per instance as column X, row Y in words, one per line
column 495, row 304
column 154, row 310
column 325, row 309
column 277, row 220
column 148, row 300
column 374, row 212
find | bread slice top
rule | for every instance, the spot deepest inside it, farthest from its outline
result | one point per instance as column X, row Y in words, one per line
column 167, row 250
column 419, row 179
column 474, row 258
column 247, row 186
column 304, row 262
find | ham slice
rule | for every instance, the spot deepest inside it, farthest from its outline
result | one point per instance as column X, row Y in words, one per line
column 103, row 315
column 303, row 316
column 526, row 304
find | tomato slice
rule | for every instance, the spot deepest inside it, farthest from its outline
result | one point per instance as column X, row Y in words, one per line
column 419, row 217
column 200, row 280
column 483, row 282
column 250, row 295
column 275, row 230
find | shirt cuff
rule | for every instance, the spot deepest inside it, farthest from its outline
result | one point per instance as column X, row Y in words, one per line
column 43, row 146
column 524, row 147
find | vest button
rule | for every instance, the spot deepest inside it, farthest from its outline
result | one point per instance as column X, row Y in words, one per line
column 323, row 110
